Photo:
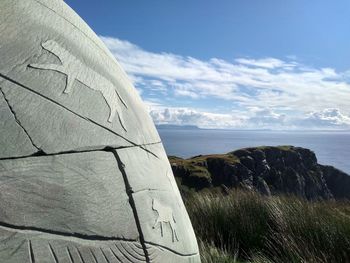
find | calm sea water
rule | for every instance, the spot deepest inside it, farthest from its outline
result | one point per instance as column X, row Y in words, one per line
column 331, row 148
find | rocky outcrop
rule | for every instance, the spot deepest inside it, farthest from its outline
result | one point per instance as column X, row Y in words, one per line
column 338, row 182
column 268, row 170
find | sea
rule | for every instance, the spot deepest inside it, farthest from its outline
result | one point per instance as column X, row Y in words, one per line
column 331, row 148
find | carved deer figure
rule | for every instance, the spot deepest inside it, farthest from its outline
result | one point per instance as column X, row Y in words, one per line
column 165, row 215
column 74, row 69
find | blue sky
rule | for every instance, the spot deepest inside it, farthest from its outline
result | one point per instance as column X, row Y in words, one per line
column 233, row 64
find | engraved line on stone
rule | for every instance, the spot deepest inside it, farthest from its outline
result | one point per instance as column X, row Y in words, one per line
column 36, row 230
column 154, row 257
column 115, row 255
column 104, row 255
column 171, row 250
column 152, row 251
column 19, row 247
column 17, row 120
column 135, row 249
column 128, row 255
column 70, row 255
column 128, row 189
column 93, row 255
column 74, row 69
column 165, row 216
column 53, row 253
column 80, row 255
column 122, row 254
column 74, row 113
column 135, row 256
column 31, row 252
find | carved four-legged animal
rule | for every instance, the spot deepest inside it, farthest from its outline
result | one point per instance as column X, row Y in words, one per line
column 74, row 69
column 165, row 215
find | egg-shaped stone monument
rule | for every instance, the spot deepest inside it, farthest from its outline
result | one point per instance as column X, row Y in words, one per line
column 83, row 173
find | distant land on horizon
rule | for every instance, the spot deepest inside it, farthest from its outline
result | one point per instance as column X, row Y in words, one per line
column 194, row 127
column 177, row 127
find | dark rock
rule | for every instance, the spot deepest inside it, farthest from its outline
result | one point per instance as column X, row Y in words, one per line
column 338, row 182
column 268, row 170
column 262, row 187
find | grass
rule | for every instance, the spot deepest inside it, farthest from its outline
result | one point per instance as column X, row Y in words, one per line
column 247, row 227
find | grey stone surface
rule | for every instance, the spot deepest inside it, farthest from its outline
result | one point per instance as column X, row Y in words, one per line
column 54, row 129
column 83, row 174
column 161, row 255
column 62, row 61
column 16, row 140
column 67, row 193
column 162, row 214
column 35, row 246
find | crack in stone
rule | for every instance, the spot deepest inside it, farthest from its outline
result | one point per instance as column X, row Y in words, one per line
column 129, row 192
column 74, row 113
column 18, row 121
column 98, row 149
column 38, row 230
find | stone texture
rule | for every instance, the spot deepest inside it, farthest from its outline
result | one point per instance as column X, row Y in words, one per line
column 162, row 214
column 161, row 255
column 12, row 134
column 67, row 193
column 83, row 174
column 34, row 246
column 55, row 129
column 64, row 62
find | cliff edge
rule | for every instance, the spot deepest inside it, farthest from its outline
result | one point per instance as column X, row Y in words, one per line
column 268, row 170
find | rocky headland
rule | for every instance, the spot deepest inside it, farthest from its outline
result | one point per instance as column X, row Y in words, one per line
column 267, row 170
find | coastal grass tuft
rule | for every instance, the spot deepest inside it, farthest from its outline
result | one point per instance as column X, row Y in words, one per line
column 248, row 227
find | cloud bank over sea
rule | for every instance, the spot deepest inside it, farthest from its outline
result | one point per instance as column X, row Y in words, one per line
column 266, row 93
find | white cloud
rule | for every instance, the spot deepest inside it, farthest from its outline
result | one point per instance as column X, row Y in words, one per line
column 266, row 118
column 328, row 118
column 269, row 63
column 188, row 116
column 247, row 83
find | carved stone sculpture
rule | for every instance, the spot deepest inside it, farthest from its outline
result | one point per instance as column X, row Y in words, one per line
column 83, row 173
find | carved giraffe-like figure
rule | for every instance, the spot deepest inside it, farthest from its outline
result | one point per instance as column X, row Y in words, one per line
column 165, row 215
column 74, row 69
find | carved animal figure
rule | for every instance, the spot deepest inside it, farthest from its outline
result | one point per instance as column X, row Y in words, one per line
column 74, row 69
column 165, row 215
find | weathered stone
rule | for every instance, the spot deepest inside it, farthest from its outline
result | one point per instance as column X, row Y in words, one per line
column 54, row 129
column 162, row 214
column 83, row 174
column 13, row 140
column 61, row 62
column 67, row 193
column 36, row 246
